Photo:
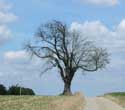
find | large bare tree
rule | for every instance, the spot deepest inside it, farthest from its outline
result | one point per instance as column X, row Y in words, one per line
column 68, row 51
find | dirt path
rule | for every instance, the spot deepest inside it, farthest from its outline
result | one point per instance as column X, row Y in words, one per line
column 100, row 103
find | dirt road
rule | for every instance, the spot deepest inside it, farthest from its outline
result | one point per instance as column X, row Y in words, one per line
column 100, row 103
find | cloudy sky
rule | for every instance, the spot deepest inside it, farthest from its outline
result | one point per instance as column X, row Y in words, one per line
column 100, row 20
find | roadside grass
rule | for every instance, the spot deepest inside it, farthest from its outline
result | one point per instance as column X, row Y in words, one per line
column 118, row 97
column 42, row 102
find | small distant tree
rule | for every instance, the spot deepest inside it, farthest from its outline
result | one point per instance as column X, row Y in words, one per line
column 15, row 90
column 67, row 51
column 3, row 90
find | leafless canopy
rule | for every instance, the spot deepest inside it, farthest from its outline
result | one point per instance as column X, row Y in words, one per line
column 67, row 50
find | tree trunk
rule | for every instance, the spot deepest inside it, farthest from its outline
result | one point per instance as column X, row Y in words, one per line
column 67, row 88
column 67, row 83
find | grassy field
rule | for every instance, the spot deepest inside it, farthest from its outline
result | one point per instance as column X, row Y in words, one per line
column 41, row 103
column 118, row 97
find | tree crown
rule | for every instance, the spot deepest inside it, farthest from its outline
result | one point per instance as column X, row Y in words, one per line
column 67, row 49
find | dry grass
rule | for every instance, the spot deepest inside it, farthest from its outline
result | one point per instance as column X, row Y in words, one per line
column 42, row 102
column 117, row 97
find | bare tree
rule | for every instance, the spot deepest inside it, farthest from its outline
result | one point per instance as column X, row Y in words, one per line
column 67, row 51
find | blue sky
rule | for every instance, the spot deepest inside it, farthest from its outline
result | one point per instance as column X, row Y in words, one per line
column 102, row 20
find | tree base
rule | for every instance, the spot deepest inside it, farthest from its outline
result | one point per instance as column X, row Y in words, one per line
column 66, row 94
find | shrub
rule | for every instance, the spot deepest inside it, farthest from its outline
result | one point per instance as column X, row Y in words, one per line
column 3, row 90
column 17, row 90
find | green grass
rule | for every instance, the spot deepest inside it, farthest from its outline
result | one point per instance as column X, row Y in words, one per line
column 118, row 97
column 117, row 94
column 41, row 102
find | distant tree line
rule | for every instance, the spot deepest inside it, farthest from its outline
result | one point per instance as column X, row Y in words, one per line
column 15, row 90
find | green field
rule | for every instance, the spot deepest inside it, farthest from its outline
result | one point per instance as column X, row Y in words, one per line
column 118, row 97
column 41, row 103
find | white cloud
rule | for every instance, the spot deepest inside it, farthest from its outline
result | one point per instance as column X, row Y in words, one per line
column 101, row 2
column 20, row 58
column 5, row 34
column 121, row 26
column 16, row 64
column 93, row 27
column 5, row 18
column 14, row 55
column 113, row 40
column 4, row 6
